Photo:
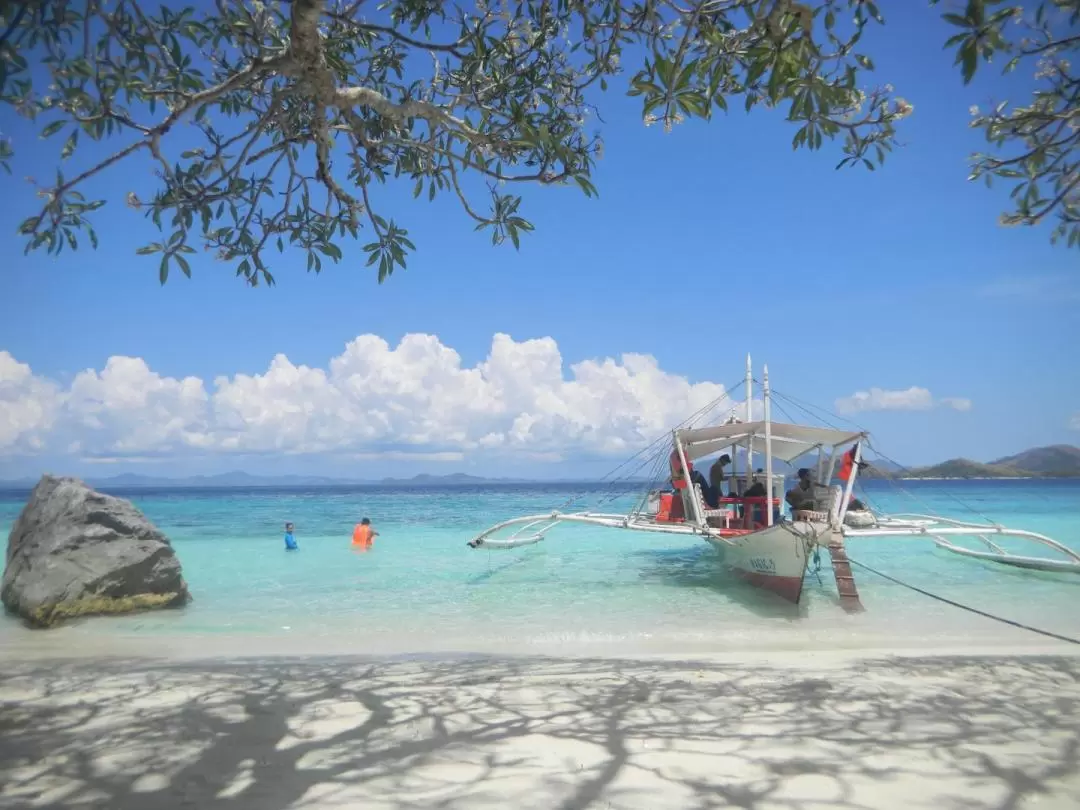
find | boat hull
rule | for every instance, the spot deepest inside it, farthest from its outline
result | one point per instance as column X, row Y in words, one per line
column 774, row 559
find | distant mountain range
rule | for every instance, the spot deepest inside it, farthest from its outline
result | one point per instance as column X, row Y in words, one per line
column 453, row 479
column 242, row 480
column 1055, row 461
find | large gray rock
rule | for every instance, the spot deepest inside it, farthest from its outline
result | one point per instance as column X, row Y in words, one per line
column 77, row 552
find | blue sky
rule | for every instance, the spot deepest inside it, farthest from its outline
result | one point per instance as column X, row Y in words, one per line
column 705, row 243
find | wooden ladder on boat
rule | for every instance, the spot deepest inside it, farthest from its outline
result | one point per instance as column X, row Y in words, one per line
column 845, row 582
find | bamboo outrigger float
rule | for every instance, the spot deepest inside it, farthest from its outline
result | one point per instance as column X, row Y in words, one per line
column 758, row 543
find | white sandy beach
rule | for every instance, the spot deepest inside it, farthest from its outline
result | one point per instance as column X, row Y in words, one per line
column 751, row 731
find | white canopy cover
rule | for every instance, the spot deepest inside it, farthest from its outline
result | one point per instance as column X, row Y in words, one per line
column 788, row 441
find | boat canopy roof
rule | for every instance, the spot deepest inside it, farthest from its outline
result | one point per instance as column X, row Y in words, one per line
column 788, row 441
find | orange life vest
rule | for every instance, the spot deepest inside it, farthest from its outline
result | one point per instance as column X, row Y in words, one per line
column 361, row 535
column 678, row 477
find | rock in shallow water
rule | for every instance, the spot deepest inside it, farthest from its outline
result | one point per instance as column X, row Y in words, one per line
column 76, row 552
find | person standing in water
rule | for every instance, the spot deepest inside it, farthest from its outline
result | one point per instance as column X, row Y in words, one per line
column 363, row 535
column 290, row 541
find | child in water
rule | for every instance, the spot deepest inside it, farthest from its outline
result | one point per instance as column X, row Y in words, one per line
column 363, row 535
column 290, row 541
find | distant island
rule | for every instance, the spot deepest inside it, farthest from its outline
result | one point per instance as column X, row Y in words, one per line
column 453, row 479
column 239, row 480
column 1054, row 461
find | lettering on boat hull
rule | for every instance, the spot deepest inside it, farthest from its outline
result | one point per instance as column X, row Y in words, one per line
column 773, row 559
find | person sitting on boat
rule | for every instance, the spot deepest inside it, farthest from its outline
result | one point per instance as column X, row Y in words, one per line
column 801, row 496
column 716, row 477
column 755, row 490
column 678, row 479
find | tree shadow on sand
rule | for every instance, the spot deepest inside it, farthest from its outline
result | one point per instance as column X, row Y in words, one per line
column 957, row 733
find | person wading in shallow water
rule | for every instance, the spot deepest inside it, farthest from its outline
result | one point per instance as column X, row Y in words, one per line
column 290, row 541
column 363, row 536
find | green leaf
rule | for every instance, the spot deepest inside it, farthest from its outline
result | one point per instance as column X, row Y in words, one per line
column 586, row 186
column 184, row 266
column 69, row 145
column 163, row 271
column 755, row 71
column 331, row 250
column 969, row 57
column 52, row 129
column 957, row 20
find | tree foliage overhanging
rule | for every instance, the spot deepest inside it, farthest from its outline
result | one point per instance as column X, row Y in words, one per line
column 292, row 114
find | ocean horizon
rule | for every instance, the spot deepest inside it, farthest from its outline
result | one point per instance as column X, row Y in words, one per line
column 584, row 590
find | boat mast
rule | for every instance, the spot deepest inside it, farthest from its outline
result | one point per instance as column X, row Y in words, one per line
column 855, row 459
column 689, row 489
column 768, row 449
column 749, row 419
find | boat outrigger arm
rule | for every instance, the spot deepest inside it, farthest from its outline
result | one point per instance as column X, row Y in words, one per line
column 939, row 529
column 758, row 544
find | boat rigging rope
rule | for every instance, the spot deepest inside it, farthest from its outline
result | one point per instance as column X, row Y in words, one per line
column 968, row 608
column 649, row 451
column 806, row 406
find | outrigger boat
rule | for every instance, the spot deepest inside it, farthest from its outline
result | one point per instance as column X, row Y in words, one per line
column 758, row 543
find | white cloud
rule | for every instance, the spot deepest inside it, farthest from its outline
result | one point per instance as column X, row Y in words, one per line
column 127, row 409
column 415, row 400
column 1074, row 421
column 908, row 399
column 28, row 407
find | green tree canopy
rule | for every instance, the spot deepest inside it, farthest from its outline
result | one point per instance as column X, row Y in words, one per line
column 1037, row 146
column 294, row 113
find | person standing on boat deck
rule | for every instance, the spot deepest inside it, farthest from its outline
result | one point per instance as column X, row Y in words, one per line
column 716, row 478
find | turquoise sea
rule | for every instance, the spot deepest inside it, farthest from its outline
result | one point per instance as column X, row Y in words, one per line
column 582, row 591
